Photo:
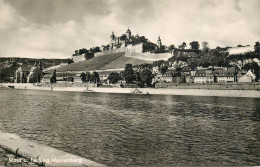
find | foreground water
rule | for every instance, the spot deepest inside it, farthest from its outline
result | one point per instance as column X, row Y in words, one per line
column 128, row 129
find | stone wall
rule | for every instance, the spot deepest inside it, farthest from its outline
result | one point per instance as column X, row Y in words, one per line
column 138, row 48
column 149, row 56
column 110, row 52
column 211, row 86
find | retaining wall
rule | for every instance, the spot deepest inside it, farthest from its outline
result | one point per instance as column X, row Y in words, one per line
column 110, row 52
column 212, row 86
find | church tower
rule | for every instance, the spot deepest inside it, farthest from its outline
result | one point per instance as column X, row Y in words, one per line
column 128, row 33
column 159, row 42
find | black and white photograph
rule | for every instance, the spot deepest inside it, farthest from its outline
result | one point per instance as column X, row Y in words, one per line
column 113, row 83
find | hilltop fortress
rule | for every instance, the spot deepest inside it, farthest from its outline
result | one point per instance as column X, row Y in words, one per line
column 133, row 46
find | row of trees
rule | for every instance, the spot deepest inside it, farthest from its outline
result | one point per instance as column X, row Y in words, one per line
column 7, row 72
column 142, row 77
column 87, row 77
column 194, row 45
column 84, row 51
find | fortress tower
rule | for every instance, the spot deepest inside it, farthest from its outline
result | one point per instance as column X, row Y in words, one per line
column 112, row 40
column 112, row 37
column 128, row 33
column 159, row 42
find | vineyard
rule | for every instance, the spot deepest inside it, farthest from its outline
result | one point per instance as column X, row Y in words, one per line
column 91, row 64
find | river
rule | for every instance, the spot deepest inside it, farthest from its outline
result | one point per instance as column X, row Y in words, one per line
column 134, row 129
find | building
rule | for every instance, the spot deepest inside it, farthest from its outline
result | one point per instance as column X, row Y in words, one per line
column 47, row 78
column 204, row 76
column 21, row 74
column 189, row 79
column 228, row 74
column 167, row 77
column 248, row 77
column 28, row 74
column 77, row 78
column 159, row 42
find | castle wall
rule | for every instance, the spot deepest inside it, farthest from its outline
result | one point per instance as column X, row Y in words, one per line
column 138, row 48
column 136, row 51
column 149, row 56
column 110, row 51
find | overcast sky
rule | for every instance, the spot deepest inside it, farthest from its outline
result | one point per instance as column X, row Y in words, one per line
column 55, row 28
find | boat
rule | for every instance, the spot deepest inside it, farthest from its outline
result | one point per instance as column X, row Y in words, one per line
column 137, row 91
column 89, row 90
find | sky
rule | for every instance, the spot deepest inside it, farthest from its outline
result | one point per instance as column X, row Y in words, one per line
column 56, row 28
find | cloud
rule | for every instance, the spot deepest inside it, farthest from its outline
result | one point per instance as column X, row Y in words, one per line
column 54, row 28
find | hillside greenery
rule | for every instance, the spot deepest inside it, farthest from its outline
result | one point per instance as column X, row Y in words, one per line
column 8, row 66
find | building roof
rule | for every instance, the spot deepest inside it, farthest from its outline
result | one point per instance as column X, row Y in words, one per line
column 226, row 72
column 204, row 73
column 200, row 73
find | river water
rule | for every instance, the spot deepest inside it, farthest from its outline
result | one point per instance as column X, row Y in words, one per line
column 129, row 129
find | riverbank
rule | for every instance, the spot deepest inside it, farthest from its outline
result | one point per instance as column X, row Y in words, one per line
column 5, row 155
column 156, row 91
column 26, row 152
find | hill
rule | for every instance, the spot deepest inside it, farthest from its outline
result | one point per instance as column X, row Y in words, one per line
column 91, row 64
column 122, row 61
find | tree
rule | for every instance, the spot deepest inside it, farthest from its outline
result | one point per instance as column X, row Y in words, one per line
column 87, row 76
column 70, row 61
column 53, row 78
column 205, row 46
column 158, row 63
column 143, row 39
column 123, row 37
column 146, row 76
column 89, row 55
column 95, row 49
column 82, row 51
column 257, row 47
column 83, row 77
column 193, row 62
column 128, row 73
column 36, row 76
column 114, row 77
column 164, row 69
column 183, row 45
column 94, row 77
column 172, row 47
column 195, row 45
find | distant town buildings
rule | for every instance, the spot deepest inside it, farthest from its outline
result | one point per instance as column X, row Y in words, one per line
column 28, row 74
column 212, row 75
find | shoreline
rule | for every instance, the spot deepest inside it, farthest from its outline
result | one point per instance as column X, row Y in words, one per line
column 152, row 91
column 26, row 152
column 6, row 155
